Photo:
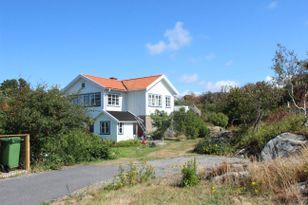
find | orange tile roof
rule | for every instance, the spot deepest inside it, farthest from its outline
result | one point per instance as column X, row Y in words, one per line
column 125, row 85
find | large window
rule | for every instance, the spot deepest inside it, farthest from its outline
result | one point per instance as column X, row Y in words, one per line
column 120, row 128
column 154, row 100
column 113, row 99
column 105, row 127
column 87, row 100
column 168, row 101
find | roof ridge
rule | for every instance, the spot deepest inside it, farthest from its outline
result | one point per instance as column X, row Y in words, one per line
column 143, row 77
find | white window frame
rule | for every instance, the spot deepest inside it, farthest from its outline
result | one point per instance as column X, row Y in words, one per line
column 87, row 99
column 113, row 100
column 120, row 128
column 168, row 101
column 154, row 100
column 103, row 127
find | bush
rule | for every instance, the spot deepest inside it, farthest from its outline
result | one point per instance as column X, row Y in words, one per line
column 132, row 176
column 210, row 146
column 161, row 121
column 218, row 119
column 74, row 147
column 255, row 139
column 43, row 113
column 190, row 177
column 190, row 124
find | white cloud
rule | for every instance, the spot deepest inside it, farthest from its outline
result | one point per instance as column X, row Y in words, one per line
column 229, row 63
column 219, row 85
column 176, row 38
column 272, row 5
column 269, row 79
column 190, row 78
column 156, row 48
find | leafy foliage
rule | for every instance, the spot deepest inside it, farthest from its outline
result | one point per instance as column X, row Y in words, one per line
column 255, row 139
column 51, row 120
column 218, row 119
column 161, row 121
column 210, row 146
column 190, row 124
column 190, row 177
column 74, row 147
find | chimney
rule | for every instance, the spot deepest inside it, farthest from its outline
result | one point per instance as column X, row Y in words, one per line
column 113, row 78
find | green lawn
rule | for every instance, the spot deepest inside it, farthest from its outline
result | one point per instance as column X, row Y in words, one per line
column 171, row 148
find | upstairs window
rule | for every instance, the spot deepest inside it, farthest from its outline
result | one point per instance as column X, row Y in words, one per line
column 83, row 85
column 154, row 100
column 87, row 100
column 120, row 128
column 105, row 128
column 113, row 99
column 168, row 101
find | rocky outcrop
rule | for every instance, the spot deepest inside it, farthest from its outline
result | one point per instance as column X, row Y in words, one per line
column 283, row 145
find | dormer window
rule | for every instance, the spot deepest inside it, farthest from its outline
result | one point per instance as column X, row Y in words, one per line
column 83, row 85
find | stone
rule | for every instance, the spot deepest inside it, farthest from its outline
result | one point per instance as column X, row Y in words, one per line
column 235, row 177
column 283, row 145
column 214, row 130
column 223, row 137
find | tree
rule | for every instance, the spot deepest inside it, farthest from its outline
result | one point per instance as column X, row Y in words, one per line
column 252, row 102
column 161, row 121
column 41, row 112
column 292, row 74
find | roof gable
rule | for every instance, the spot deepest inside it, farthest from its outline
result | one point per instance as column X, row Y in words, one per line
column 124, row 85
column 139, row 83
column 107, row 82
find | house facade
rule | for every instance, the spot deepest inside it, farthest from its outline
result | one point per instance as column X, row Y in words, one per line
column 121, row 109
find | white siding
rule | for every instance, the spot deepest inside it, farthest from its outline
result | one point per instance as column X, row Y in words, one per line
column 90, row 87
column 113, row 127
column 136, row 102
column 161, row 88
column 128, row 132
column 122, row 101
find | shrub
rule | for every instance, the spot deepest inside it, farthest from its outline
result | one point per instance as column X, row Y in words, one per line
column 132, row 176
column 210, row 146
column 161, row 121
column 190, row 177
column 74, row 147
column 255, row 140
column 190, row 124
column 218, row 119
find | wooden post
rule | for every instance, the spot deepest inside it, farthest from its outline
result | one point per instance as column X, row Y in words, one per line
column 27, row 152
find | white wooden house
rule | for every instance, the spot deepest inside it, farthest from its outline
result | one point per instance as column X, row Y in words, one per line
column 121, row 109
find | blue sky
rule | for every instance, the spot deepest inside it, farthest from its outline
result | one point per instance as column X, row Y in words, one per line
column 199, row 45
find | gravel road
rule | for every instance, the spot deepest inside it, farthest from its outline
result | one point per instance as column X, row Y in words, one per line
column 36, row 188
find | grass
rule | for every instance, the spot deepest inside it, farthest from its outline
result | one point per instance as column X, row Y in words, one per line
column 161, row 192
column 170, row 149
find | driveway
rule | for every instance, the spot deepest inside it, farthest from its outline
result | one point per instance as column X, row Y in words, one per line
column 36, row 188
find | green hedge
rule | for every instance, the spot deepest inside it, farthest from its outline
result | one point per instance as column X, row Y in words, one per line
column 74, row 147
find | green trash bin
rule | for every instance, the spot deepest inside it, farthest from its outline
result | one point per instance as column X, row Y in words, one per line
column 10, row 151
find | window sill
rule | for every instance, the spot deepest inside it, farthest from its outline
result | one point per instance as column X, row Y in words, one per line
column 113, row 106
column 104, row 134
column 155, row 106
